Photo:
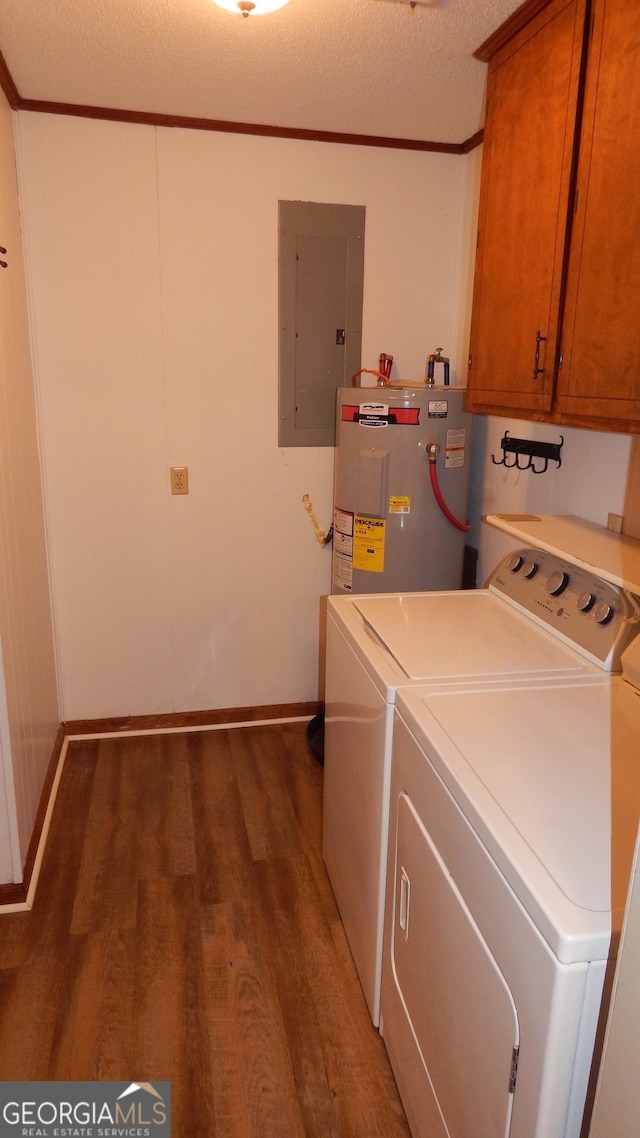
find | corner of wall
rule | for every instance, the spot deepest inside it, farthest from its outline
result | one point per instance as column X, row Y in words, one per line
column 632, row 496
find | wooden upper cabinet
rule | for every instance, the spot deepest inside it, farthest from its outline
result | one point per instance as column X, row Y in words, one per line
column 528, row 165
column 599, row 381
column 559, row 222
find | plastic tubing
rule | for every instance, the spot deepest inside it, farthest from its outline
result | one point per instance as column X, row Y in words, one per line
column 322, row 538
column 433, row 474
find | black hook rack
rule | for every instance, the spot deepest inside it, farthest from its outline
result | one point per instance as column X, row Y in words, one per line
column 530, row 450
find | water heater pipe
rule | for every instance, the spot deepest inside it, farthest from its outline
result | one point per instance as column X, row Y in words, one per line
column 433, row 450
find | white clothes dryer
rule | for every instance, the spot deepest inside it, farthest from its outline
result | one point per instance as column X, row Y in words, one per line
column 514, row 814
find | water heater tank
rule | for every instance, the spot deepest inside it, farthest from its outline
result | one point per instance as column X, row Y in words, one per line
column 390, row 535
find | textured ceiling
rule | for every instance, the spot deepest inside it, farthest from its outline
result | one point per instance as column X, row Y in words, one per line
column 372, row 67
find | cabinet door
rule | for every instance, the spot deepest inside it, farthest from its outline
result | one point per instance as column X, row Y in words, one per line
column 599, row 382
column 529, row 142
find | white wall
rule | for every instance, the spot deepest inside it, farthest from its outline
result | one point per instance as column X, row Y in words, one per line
column 28, row 694
column 152, row 257
column 153, row 272
column 590, row 482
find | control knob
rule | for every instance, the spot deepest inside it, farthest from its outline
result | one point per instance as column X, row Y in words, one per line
column 529, row 569
column 603, row 612
column 514, row 562
column 586, row 601
column 557, row 583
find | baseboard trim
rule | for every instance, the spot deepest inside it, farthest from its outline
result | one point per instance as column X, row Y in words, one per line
column 15, row 897
column 12, row 896
column 186, row 720
column 18, row 897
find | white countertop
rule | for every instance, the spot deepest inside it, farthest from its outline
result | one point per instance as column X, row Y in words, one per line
column 613, row 556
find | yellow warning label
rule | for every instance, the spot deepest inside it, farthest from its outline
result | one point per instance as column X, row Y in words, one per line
column 368, row 544
column 399, row 504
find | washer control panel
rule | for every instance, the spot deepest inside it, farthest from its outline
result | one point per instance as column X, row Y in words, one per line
column 593, row 615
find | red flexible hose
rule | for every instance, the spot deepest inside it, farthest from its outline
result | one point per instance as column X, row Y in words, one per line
column 440, row 500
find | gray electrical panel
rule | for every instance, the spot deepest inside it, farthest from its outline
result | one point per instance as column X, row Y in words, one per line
column 320, row 273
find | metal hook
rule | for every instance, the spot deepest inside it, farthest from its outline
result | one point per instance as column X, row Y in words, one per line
column 519, row 464
column 543, row 469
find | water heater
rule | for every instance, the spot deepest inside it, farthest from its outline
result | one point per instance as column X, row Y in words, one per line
column 390, row 534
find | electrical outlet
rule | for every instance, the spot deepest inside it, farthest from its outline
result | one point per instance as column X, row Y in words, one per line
column 179, row 479
column 614, row 522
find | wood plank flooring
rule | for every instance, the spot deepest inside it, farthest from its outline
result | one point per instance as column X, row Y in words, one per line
column 184, row 929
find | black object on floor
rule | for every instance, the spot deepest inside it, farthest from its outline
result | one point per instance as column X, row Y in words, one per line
column 315, row 737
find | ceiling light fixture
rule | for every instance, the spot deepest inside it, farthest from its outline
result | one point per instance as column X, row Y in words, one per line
column 251, row 7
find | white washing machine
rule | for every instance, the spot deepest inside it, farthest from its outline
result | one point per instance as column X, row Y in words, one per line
column 511, row 631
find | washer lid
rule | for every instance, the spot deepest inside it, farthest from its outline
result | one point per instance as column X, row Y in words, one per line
column 549, row 779
column 462, row 636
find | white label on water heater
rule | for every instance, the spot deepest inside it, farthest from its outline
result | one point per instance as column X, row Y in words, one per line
column 342, row 549
column 343, row 527
column 342, row 572
column 454, row 449
column 438, row 408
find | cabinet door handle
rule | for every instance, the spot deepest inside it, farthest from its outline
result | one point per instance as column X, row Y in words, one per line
column 405, row 893
column 540, row 339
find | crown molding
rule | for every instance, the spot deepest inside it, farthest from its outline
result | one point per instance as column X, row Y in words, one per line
column 184, row 122
column 507, row 30
column 8, row 86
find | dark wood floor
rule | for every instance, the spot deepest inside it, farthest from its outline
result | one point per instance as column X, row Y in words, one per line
column 184, row 929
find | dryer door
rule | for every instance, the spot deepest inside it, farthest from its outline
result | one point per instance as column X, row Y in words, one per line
column 463, row 1017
